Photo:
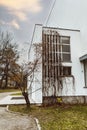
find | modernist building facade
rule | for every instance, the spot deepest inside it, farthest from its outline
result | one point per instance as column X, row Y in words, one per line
column 62, row 70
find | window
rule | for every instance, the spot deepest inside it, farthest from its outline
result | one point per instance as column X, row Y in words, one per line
column 65, row 39
column 65, row 48
column 85, row 72
column 67, row 71
column 65, row 57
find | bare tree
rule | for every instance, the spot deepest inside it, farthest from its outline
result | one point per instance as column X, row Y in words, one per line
column 25, row 70
column 8, row 58
column 11, row 70
column 28, row 69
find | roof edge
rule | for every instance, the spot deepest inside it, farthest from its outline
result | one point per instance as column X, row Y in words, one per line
column 84, row 57
column 63, row 28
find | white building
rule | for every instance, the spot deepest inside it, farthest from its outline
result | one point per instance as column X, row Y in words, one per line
column 63, row 65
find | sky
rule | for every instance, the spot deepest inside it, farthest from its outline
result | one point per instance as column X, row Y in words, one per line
column 19, row 17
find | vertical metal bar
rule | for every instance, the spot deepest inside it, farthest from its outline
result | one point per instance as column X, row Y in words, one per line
column 57, row 57
column 43, row 61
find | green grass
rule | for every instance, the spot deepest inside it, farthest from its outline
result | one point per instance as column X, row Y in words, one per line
column 8, row 90
column 17, row 94
column 57, row 118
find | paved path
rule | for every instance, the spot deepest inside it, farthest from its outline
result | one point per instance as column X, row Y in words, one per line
column 2, row 95
column 7, row 99
column 11, row 121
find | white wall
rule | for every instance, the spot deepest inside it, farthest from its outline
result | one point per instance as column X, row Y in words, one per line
column 36, row 88
column 77, row 66
column 72, row 15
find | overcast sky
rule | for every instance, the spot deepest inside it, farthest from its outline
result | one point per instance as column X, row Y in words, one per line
column 20, row 16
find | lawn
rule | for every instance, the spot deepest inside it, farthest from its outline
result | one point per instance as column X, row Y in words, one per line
column 59, row 117
column 9, row 90
column 17, row 94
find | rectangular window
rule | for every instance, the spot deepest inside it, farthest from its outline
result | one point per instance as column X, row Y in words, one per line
column 85, row 72
column 66, row 71
column 65, row 48
column 66, row 57
column 65, row 39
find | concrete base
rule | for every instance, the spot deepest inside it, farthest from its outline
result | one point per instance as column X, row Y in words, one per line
column 65, row 99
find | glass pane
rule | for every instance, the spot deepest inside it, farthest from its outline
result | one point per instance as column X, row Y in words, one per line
column 64, row 39
column 65, row 48
column 85, row 72
column 66, row 70
column 66, row 57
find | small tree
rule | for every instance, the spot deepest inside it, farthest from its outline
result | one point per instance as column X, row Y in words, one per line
column 28, row 69
column 21, row 76
column 10, row 69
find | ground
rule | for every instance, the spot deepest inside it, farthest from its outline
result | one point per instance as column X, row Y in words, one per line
column 64, row 117
column 11, row 121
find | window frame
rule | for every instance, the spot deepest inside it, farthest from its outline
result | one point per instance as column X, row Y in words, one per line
column 63, row 52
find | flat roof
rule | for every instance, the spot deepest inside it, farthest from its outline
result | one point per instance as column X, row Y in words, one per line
column 68, row 29
column 62, row 28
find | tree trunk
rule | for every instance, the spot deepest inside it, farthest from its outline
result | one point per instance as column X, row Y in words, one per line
column 6, row 73
column 25, row 94
column 1, row 82
column 6, row 81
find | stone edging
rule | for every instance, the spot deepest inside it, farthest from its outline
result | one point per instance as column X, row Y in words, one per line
column 36, row 120
column 37, row 123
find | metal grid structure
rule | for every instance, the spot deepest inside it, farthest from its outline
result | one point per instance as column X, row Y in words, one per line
column 55, row 50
